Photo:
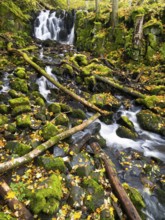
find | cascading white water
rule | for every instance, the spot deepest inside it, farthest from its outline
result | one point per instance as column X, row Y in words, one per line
column 55, row 25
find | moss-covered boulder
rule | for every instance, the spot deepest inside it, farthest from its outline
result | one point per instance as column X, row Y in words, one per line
column 20, row 72
column 96, row 68
column 151, row 122
column 153, row 101
column 49, row 130
column 62, row 119
column 124, row 120
column 18, row 148
column 15, row 94
column 51, row 163
column 80, row 59
column 23, row 120
column 4, row 108
column 136, row 198
column 78, row 113
column 67, row 69
column 5, row 216
column 65, row 107
column 3, row 119
column 19, row 101
column 40, row 101
column 54, row 107
column 19, row 85
column 125, row 132
column 153, row 26
column 47, row 198
column 11, row 127
column 94, row 194
column 21, row 109
column 105, row 100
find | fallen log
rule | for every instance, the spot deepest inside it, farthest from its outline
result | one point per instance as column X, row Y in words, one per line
column 121, row 194
column 52, row 80
column 13, row 203
column 44, row 146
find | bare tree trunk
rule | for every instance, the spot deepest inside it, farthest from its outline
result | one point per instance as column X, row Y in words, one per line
column 138, row 30
column 96, row 6
column 52, row 80
column 14, row 204
column 114, row 17
column 68, row 4
column 41, row 148
column 115, row 183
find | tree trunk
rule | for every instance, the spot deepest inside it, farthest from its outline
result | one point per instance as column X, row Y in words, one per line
column 96, row 6
column 52, row 80
column 114, row 17
column 41, row 148
column 138, row 31
column 115, row 183
column 14, row 204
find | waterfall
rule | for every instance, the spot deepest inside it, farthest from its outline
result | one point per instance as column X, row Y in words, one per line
column 55, row 25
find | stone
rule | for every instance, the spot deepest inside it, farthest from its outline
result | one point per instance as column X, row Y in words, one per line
column 19, row 101
column 62, row 119
column 19, row 85
column 76, row 196
column 18, row 148
column 54, row 107
column 23, row 121
column 125, row 132
column 4, row 109
column 3, row 119
column 49, row 130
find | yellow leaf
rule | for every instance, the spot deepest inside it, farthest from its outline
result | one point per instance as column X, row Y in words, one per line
column 10, row 195
column 114, row 198
column 77, row 215
column 111, row 210
column 89, row 197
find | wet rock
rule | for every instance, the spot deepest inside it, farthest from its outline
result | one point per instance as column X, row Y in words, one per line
column 47, row 197
column 49, row 130
column 124, row 120
column 125, row 132
column 76, row 196
column 23, row 121
column 18, row 148
column 151, row 122
column 78, row 113
column 58, row 152
column 51, row 163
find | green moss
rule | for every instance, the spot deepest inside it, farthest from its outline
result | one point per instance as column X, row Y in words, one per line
column 153, row 26
column 40, row 101
column 139, row 11
column 65, row 107
column 62, row 119
column 21, row 109
column 12, row 127
column 18, row 148
column 125, row 132
column 49, row 130
column 46, row 199
column 152, row 40
column 51, row 163
column 19, row 101
column 54, row 107
column 3, row 119
column 19, row 85
column 23, row 121
column 162, row 50
column 68, row 69
column 14, row 94
column 4, row 108
column 153, row 101
column 78, row 113
column 124, row 120
column 95, row 68
column 20, row 72
column 80, row 59
column 6, row 216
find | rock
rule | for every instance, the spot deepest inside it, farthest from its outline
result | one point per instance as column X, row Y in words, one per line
column 49, row 130
column 125, row 132
column 23, row 121
column 21, row 109
column 80, row 59
column 47, row 197
column 3, row 119
column 51, row 163
column 19, row 85
column 124, row 120
column 18, row 148
column 94, row 68
column 67, row 69
column 20, row 72
column 153, row 101
column 12, row 127
column 4, row 109
column 76, row 196
column 14, row 94
column 40, row 101
column 54, row 107
column 94, row 194
column 151, row 122
column 78, row 113
column 62, row 119
column 58, row 152
column 19, row 101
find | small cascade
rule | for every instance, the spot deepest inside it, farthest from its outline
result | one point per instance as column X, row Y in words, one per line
column 56, row 25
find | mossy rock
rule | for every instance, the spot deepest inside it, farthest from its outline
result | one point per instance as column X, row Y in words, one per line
column 105, row 100
column 51, row 163
column 3, row 119
column 19, row 101
column 151, row 122
column 152, row 41
column 65, row 107
column 14, row 94
column 136, row 198
column 162, row 51
column 4, row 108
column 95, row 68
column 153, row 101
column 23, row 121
column 4, row 216
column 40, row 101
column 125, row 132
column 62, row 119
column 94, row 194
column 124, row 120
column 80, row 59
column 153, row 26
column 54, row 107
column 78, row 113
column 19, row 85
column 20, row 72
column 18, row 148
column 90, row 82
column 67, row 69
column 49, row 130
column 47, row 198
column 21, row 109
column 12, row 127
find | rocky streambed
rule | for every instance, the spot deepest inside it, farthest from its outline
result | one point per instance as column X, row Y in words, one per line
column 68, row 181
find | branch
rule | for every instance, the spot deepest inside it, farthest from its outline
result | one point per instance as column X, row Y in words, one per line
column 115, row 183
column 41, row 148
column 52, row 80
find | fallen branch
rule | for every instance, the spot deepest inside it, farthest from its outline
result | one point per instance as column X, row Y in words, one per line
column 52, row 80
column 41, row 148
column 115, row 183
column 14, row 204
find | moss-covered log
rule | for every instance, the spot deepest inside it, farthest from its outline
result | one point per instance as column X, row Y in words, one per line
column 115, row 183
column 13, row 203
column 52, row 80
column 41, row 148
